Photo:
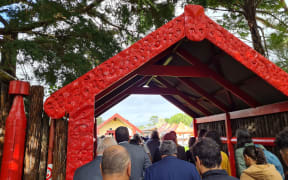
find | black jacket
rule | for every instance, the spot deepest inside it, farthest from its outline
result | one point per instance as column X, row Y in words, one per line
column 217, row 175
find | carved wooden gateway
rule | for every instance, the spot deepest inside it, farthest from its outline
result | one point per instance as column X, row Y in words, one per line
column 192, row 62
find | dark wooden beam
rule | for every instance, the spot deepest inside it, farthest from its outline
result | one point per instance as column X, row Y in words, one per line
column 152, row 90
column 202, row 92
column 185, row 98
column 181, row 106
column 176, row 71
column 219, row 79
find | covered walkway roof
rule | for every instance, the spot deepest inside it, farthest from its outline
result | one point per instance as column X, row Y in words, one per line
column 191, row 61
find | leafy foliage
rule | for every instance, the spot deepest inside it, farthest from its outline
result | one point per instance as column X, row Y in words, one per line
column 270, row 26
column 62, row 40
column 180, row 117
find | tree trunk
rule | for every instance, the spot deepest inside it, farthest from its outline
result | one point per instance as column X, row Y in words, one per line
column 250, row 15
column 5, row 105
column 33, row 133
column 44, row 148
column 60, row 150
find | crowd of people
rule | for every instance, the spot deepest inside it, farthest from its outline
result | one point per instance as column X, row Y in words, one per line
column 165, row 159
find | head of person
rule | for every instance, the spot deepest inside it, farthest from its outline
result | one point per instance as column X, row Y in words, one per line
column 168, row 148
column 116, row 163
column 122, row 134
column 254, row 155
column 243, row 137
column 282, row 143
column 207, row 155
column 155, row 135
column 136, row 139
column 191, row 141
column 170, row 136
column 105, row 143
column 215, row 136
column 202, row 133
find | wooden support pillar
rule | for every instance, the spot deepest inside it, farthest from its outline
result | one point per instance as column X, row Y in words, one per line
column 44, row 148
column 5, row 105
column 229, row 144
column 60, row 149
column 33, row 133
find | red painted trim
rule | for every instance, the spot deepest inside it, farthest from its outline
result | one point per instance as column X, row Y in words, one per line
column 153, row 90
column 51, row 141
column 266, row 141
column 117, row 116
column 195, row 128
column 177, row 71
column 219, row 79
column 207, row 96
column 230, row 145
column 251, row 112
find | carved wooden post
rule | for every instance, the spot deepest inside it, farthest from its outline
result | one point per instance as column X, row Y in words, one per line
column 15, row 130
column 34, row 133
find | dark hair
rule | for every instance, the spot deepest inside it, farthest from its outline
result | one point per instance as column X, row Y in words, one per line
column 136, row 139
column 208, row 151
column 155, row 135
column 215, row 136
column 256, row 154
column 201, row 133
column 170, row 136
column 282, row 139
column 191, row 141
column 243, row 137
column 121, row 134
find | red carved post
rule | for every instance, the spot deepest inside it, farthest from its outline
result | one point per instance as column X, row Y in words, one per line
column 50, row 150
column 195, row 128
column 15, row 131
column 229, row 144
column 80, row 139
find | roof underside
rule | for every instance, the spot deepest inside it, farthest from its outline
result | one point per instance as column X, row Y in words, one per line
column 197, row 77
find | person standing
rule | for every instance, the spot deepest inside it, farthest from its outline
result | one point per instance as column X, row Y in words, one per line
column 153, row 144
column 208, row 160
column 139, row 158
column 170, row 167
column 258, row 168
column 244, row 139
column 116, row 164
column 91, row 170
column 282, row 143
column 225, row 164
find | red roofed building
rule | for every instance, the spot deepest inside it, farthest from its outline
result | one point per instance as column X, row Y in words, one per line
column 109, row 126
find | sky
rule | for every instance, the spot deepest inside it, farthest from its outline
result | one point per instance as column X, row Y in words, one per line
column 139, row 108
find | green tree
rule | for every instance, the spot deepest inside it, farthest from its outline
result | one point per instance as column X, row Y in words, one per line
column 153, row 120
column 264, row 20
column 180, row 117
column 61, row 40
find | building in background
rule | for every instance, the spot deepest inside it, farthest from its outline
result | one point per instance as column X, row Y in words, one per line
column 109, row 126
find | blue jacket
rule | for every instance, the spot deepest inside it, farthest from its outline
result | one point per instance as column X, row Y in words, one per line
column 89, row 171
column 172, row 168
